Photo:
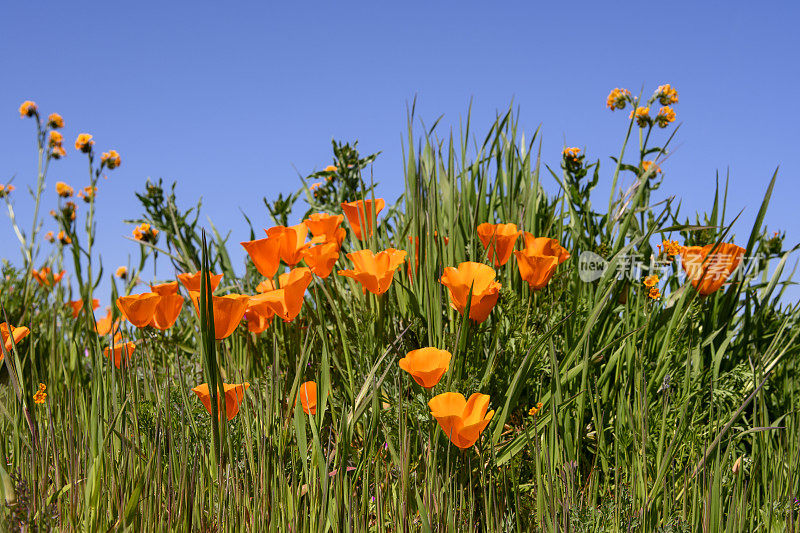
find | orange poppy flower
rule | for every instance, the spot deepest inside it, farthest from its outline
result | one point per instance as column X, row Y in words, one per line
column 326, row 228
column 374, row 271
column 265, row 255
column 291, row 242
column 228, row 312
column 45, row 277
column 321, row 258
column 545, row 246
column 461, row 420
column 361, row 212
column 169, row 307
column 286, row 301
column 119, row 351
column 708, row 271
column 485, row 290
column 77, row 305
column 426, row 365
column 499, row 241
column 536, row 269
column 138, row 309
column 9, row 334
column 258, row 318
column 234, row 394
column 308, row 397
column 104, row 326
column 192, row 282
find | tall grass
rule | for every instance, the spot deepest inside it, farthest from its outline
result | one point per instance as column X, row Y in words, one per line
column 670, row 415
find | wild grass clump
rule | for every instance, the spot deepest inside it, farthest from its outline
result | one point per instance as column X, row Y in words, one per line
column 480, row 355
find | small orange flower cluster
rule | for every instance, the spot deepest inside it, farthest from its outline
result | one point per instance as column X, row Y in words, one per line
column 671, row 248
column 28, row 109
column 647, row 165
column 64, row 238
column 67, row 211
column 45, row 278
column 84, row 143
column 653, row 292
column 665, row 116
column 5, row 190
column 535, row 410
column 121, row 272
column 143, row 232
column 11, row 336
column 40, row 396
column 88, row 193
column 642, row 115
column 618, row 98
column 50, row 237
column 666, row 95
column 64, row 190
column 110, row 159
column 55, row 121
column 56, row 149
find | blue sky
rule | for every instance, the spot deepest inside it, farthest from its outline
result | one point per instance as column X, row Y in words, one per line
column 233, row 103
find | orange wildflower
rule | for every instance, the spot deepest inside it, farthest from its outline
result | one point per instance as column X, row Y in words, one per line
column 12, row 336
column 228, row 312
column 617, row 99
column 499, row 240
column 110, row 159
column 667, row 95
column 308, row 397
column 104, row 326
column 121, row 272
column 169, row 305
column 5, row 190
column 77, row 305
column 234, row 394
column 88, row 193
column 58, row 152
column 461, row 420
column 536, row 269
column 265, row 255
column 647, row 165
column 138, row 309
column 286, row 301
column 118, row 351
column 708, row 271
column 40, row 395
column 291, row 242
column 642, row 115
column 533, row 411
column 258, row 318
column 45, row 278
column 326, row 228
column 84, row 143
column 64, row 190
column 374, row 271
column 145, row 233
column 665, row 116
column 63, row 238
column 322, row 258
column 192, row 282
column 55, row 139
column 478, row 277
column 426, row 365
column 361, row 212
column 28, row 109
column 545, row 246
column 55, row 121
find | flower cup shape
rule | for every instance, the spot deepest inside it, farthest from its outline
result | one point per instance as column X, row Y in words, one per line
column 321, row 258
column 307, row 395
column 258, row 318
column 708, row 270
column 478, row 277
column 291, row 242
column 499, row 241
column 545, row 246
column 77, row 305
column 120, row 351
column 104, row 326
column 536, row 269
column 265, row 254
column 286, row 301
column 461, row 420
column 193, row 282
column 228, row 312
column 45, row 277
column 168, row 307
column 426, row 365
column 360, row 214
column 374, row 271
column 325, row 227
column 138, row 309
column 234, row 394
column 11, row 336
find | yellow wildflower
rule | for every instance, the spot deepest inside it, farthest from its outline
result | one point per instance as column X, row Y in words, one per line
column 667, row 95
column 84, row 143
column 64, row 190
column 665, row 116
column 642, row 115
column 617, row 99
column 651, row 281
column 28, row 109
column 533, row 411
column 55, row 121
